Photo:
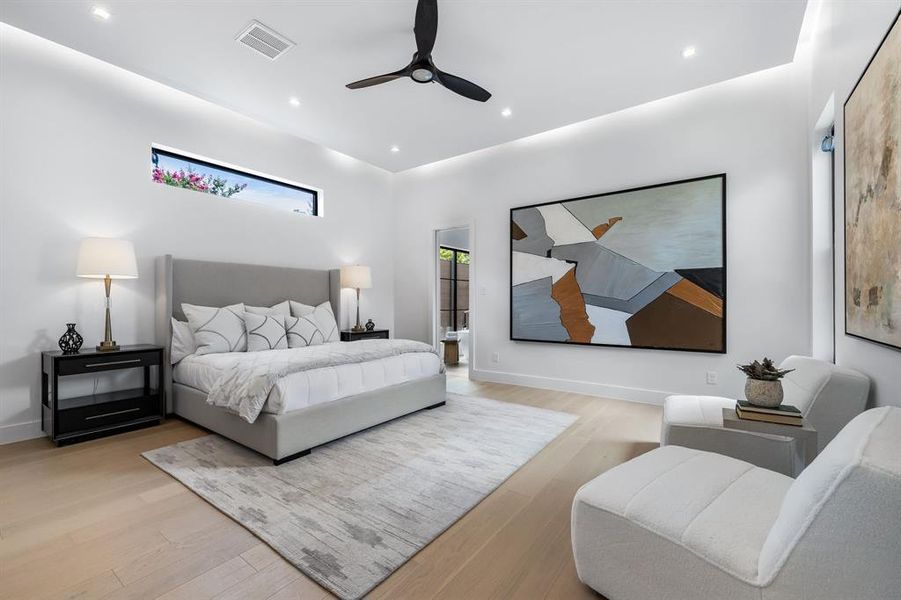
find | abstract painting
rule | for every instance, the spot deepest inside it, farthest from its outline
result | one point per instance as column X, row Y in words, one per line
column 873, row 198
column 641, row 268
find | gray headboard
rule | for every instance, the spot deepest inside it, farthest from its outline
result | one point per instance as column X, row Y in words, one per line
column 207, row 283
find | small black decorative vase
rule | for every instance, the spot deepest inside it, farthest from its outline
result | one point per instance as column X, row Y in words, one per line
column 71, row 341
column 370, row 325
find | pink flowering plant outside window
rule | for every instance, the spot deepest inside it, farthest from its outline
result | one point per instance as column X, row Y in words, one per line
column 210, row 184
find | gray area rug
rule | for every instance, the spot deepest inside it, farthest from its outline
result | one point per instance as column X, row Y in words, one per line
column 353, row 511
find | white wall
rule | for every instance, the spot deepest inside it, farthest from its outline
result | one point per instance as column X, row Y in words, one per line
column 751, row 128
column 75, row 162
column 846, row 36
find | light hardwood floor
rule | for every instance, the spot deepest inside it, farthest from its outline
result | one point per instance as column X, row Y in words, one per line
column 95, row 520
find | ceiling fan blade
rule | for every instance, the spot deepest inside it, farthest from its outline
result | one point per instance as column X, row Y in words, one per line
column 461, row 86
column 426, row 27
column 370, row 81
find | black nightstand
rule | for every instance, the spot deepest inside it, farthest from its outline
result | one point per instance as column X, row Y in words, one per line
column 352, row 336
column 73, row 420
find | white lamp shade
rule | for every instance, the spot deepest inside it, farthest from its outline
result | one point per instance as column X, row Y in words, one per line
column 99, row 257
column 356, row 276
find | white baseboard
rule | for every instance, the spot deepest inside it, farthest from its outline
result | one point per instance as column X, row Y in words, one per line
column 20, row 432
column 572, row 385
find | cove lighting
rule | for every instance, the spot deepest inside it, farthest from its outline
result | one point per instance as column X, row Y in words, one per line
column 689, row 52
column 101, row 13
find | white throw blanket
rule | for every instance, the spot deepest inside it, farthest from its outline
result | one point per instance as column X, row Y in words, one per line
column 244, row 387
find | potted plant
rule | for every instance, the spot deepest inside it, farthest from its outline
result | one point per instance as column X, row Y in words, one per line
column 764, row 387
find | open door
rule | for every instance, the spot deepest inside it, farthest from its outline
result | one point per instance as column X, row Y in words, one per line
column 453, row 311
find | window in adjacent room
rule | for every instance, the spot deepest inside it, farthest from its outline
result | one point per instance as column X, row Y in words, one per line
column 454, row 276
column 182, row 170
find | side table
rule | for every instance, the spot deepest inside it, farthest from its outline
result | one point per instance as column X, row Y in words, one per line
column 804, row 437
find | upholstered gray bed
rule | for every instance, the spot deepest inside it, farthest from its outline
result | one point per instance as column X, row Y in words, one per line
column 285, row 436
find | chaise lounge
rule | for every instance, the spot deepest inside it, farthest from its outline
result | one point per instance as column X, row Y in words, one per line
column 678, row 523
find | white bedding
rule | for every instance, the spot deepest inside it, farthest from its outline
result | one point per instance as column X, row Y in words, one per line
column 306, row 388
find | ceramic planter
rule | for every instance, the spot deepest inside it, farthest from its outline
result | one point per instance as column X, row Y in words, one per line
column 760, row 392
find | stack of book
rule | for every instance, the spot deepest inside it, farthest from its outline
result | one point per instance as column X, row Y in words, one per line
column 786, row 414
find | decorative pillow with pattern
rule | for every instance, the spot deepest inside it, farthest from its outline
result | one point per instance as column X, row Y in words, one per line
column 182, row 341
column 217, row 330
column 265, row 332
column 325, row 319
column 282, row 308
column 303, row 331
column 299, row 309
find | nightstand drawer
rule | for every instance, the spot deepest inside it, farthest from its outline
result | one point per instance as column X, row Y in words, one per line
column 103, row 410
column 353, row 336
column 98, row 362
column 374, row 335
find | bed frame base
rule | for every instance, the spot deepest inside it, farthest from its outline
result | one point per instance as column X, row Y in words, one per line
column 302, row 453
column 281, row 461
column 288, row 436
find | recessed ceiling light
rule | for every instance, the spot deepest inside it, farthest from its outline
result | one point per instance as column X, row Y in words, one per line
column 294, row 101
column 395, row 149
column 507, row 112
column 101, row 13
column 689, row 52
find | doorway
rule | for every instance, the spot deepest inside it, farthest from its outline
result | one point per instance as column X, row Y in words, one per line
column 453, row 311
column 822, row 236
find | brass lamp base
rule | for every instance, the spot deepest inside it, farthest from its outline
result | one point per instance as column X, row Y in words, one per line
column 358, row 328
column 108, row 344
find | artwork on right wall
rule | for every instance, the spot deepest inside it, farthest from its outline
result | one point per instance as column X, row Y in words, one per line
column 637, row 268
column 873, row 198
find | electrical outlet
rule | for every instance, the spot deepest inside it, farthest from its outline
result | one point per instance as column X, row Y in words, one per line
column 495, row 357
column 711, row 377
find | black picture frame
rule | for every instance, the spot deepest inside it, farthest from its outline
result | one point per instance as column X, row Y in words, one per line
column 895, row 22
column 723, row 350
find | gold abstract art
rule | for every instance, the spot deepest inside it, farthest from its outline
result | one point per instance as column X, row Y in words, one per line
column 873, row 198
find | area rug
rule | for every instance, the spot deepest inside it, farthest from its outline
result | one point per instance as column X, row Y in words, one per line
column 353, row 511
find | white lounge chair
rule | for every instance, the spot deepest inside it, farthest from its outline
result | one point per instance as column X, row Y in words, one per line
column 685, row 524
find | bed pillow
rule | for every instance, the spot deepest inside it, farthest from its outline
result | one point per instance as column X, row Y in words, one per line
column 303, row 332
column 282, row 308
column 217, row 330
column 265, row 332
column 299, row 309
column 325, row 319
column 182, row 344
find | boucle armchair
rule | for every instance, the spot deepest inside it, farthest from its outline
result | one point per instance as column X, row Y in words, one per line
column 685, row 524
column 828, row 397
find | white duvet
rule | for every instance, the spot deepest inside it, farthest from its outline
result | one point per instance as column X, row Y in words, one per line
column 306, row 388
column 246, row 379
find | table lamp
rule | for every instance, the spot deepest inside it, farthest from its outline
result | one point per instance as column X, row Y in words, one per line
column 356, row 277
column 107, row 259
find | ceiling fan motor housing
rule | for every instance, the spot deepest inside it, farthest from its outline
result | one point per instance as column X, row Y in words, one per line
column 422, row 74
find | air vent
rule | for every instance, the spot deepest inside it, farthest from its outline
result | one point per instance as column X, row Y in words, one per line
column 264, row 40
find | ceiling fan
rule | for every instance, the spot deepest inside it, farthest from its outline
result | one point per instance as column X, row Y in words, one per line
column 421, row 69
